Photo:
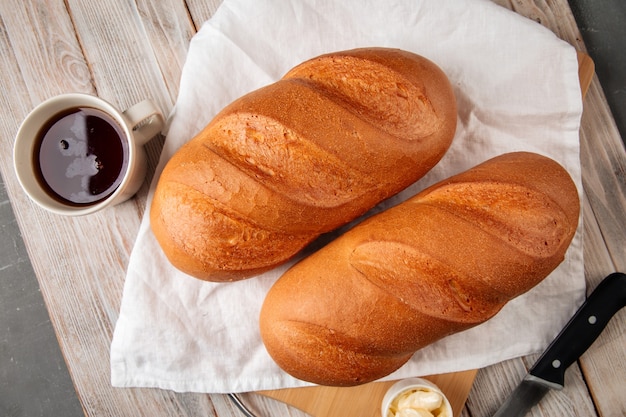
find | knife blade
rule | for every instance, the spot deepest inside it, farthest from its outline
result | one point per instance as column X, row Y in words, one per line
column 580, row 332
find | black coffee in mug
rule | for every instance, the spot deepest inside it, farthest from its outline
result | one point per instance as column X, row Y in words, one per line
column 81, row 156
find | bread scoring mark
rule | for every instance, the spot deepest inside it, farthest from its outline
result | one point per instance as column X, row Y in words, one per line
column 278, row 157
column 524, row 218
column 341, row 359
column 218, row 237
column 378, row 94
column 424, row 283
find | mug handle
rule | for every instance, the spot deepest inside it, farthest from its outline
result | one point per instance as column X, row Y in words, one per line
column 146, row 120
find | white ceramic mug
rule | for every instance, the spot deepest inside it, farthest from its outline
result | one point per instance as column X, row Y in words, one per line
column 134, row 128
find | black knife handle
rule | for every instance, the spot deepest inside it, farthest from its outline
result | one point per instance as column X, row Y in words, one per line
column 582, row 329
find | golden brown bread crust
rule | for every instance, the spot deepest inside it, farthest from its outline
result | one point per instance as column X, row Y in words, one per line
column 441, row 262
column 301, row 157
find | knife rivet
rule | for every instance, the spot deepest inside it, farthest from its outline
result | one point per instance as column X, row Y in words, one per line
column 592, row 319
column 556, row 363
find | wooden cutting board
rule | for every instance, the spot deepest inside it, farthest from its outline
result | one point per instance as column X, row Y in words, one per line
column 365, row 400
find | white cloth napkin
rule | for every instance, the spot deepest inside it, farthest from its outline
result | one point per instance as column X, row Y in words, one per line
column 517, row 89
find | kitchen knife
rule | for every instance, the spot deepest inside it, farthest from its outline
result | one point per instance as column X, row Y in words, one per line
column 575, row 338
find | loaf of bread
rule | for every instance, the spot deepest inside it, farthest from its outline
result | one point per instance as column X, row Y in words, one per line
column 443, row 261
column 301, row 157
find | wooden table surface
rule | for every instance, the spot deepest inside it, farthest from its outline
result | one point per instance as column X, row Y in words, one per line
column 125, row 51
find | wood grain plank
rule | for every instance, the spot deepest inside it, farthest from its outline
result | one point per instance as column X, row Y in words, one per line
column 492, row 385
column 42, row 39
column 169, row 28
column 200, row 11
column 115, row 29
column 604, row 162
